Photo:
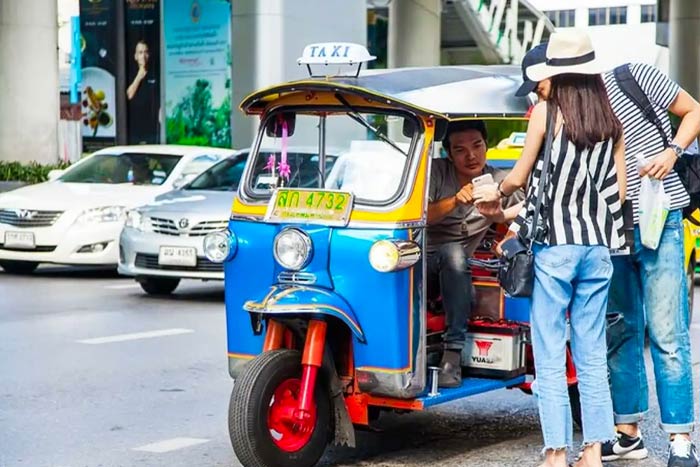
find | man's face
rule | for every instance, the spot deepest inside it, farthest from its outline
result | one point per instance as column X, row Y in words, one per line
column 468, row 152
column 141, row 55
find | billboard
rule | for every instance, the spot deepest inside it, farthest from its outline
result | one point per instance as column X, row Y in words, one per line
column 142, row 71
column 197, row 72
column 98, row 46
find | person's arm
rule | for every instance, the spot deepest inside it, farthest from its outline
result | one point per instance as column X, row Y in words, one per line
column 496, row 213
column 621, row 167
column 439, row 209
column 134, row 86
column 517, row 178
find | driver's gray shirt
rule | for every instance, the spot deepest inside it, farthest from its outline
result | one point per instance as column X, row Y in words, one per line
column 464, row 224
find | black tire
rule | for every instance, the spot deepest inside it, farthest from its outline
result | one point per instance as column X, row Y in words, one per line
column 19, row 267
column 158, row 285
column 248, row 411
column 575, row 400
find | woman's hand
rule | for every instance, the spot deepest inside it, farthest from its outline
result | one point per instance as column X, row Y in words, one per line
column 499, row 251
column 492, row 211
column 486, row 194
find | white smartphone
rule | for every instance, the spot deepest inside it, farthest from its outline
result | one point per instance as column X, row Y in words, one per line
column 486, row 179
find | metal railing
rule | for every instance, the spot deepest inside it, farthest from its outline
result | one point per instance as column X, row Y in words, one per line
column 511, row 27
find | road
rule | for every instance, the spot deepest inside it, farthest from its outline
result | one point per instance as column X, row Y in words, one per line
column 97, row 374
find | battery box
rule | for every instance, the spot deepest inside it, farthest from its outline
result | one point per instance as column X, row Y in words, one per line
column 494, row 349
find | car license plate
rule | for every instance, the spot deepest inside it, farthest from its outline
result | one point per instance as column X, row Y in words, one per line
column 177, row 256
column 310, row 206
column 20, row 240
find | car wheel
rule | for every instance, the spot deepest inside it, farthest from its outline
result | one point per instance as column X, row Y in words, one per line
column 158, row 285
column 19, row 267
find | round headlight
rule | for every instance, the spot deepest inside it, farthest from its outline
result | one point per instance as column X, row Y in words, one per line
column 384, row 256
column 292, row 249
column 218, row 246
column 393, row 255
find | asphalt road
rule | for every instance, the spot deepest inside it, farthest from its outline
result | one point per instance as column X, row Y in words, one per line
column 95, row 373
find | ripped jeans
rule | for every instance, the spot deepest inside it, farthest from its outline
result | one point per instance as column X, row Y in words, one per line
column 572, row 278
column 649, row 287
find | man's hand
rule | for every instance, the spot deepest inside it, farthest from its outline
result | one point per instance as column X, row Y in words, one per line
column 660, row 166
column 465, row 195
column 492, row 211
column 486, row 193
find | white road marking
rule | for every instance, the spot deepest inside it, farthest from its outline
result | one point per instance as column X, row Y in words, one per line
column 135, row 336
column 171, row 445
column 123, row 286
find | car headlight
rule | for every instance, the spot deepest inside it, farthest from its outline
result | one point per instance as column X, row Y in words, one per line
column 292, row 249
column 134, row 219
column 220, row 246
column 98, row 215
column 393, row 255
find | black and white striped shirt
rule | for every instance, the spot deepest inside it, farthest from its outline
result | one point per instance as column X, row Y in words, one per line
column 641, row 136
column 582, row 199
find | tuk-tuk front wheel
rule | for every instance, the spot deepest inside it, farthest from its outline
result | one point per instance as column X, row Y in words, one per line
column 263, row 426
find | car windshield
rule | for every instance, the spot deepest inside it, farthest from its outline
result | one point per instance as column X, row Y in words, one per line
column 360, row 157
column 223, row 176
column 135, row 168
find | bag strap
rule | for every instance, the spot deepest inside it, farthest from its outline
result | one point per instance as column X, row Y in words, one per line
column 630, row 87
column 544, row 174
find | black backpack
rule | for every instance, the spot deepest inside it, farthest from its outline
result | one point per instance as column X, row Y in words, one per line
column 688, row 165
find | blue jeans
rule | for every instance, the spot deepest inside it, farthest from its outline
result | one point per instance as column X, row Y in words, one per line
column 574, row 278
column 649, row 288
column 449, row 271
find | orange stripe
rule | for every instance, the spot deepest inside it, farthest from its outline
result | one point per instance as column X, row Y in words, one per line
column 243, row 356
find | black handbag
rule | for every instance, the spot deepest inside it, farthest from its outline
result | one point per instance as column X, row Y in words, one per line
column 517, row 272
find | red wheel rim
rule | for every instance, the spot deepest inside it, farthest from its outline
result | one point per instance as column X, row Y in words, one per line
column 287, row 432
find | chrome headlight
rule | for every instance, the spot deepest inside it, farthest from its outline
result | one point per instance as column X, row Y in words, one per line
column 393, row 255
column 136, row 220
column 292, row 249
column 99, row 215
column 220, row 246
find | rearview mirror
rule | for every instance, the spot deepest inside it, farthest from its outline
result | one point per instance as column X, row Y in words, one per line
column 55, row 174
column 275, row 124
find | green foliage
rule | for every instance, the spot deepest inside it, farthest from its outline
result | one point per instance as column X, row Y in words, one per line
column 500, row 129
column 196, row 122
column 32, row 172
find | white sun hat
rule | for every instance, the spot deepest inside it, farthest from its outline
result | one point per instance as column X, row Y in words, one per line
column 568, row 51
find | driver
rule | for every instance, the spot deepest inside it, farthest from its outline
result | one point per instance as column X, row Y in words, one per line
column 455, row 228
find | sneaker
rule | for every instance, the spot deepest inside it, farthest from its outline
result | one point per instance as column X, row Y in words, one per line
column 682, row 453
column 624, row 447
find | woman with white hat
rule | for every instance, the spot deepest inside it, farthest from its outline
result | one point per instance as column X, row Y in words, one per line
column 583, row 188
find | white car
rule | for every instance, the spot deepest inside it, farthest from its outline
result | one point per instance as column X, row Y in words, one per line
column 77, row 216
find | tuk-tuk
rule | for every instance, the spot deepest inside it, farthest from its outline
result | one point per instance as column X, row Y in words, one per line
column 328, row 318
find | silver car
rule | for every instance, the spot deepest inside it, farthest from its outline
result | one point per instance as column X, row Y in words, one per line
column 162, row 242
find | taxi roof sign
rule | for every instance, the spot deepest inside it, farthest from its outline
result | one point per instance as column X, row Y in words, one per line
column 335, row 53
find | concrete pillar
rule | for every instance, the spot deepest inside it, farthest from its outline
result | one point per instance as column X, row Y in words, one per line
column 29, row 98
column 684, row 48
column 414, row 33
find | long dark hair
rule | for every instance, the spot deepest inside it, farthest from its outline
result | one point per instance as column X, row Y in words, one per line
column 584, row 104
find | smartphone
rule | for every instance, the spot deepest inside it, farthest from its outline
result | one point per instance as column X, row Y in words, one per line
column 486, row 179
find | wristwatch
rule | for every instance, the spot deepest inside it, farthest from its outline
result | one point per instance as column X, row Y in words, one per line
column 677, row 149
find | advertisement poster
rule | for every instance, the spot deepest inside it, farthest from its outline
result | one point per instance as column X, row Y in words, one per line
column 197, row 36
column 99, row 64
column 142, row 70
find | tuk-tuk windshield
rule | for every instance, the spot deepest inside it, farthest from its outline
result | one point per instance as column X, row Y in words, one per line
column 363, row 153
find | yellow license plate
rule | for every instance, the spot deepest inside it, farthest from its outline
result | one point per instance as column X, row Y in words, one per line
column 310, row 206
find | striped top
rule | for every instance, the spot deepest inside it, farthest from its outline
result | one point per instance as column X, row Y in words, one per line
column 582, row 200
column 641, row 136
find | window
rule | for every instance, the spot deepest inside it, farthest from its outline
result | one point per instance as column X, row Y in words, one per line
column 597, row 16
column 136, row 168
column 603, row 16
column 367, row 163
column 562, row 18
column 648, row 14
column 618, row 15
column 223, row 176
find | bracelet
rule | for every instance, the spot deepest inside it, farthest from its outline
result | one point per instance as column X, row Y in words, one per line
column 500, row 192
